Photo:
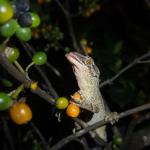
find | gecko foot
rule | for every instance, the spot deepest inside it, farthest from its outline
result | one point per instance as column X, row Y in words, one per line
column 112, row 117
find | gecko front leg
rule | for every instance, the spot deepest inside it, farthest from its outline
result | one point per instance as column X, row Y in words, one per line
column 81, row 101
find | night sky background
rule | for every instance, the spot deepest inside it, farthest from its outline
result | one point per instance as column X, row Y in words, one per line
column 118, row 33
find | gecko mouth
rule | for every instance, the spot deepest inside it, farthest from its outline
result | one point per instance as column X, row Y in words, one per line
column 74, row 61
column 72, row 58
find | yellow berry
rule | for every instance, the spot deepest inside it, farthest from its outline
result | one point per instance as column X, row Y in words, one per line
column 83, row 42
column 6, row 11
column 61, row 103
column 34, row 85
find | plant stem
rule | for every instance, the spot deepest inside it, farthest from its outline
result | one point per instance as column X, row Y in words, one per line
column 19, row 67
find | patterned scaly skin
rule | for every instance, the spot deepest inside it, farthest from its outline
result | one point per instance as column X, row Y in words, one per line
column 87, row 76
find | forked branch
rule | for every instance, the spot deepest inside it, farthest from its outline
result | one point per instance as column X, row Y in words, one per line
column 97, row 125
column 133, row 63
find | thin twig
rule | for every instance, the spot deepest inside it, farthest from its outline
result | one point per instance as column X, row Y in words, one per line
column 144, row 62
column 49, row 85
column 43, row 94
column 96, row 125
column 109, row 146
column 70, row 25
column 53, row 69
column 134, row 110
column 30, row 48
column 84, row 143
column 5, row 41
column 93, row 134
column 133, row 63
column 27, row 47
column 62, row 8
column 19, row 67
column 148, row 3
column 131, row 128
column 43, row 140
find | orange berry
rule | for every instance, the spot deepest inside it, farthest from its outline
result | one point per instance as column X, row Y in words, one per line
column 35, row 34
column 87, row 13
column 40, row 2
column 76, row 96
column 20, row 113
column 98, row 7
column 88, row 50
column 73, row 110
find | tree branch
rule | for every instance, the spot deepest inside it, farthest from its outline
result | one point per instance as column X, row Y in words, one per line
column 45, row 144
column 133, row 63
column 70, row 25
column 93, row 134
column 12, row 70
column 131, row 128
column 41, row 72
column 96, row 125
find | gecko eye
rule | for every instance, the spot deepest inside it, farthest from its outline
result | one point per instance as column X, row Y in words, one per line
column 89, row 61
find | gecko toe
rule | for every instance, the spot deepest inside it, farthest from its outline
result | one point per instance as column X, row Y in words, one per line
column 112, row 117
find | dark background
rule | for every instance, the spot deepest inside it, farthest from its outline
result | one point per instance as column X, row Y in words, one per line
column 117, row 33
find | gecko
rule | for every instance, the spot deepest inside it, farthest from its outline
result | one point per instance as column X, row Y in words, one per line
column 87, row 76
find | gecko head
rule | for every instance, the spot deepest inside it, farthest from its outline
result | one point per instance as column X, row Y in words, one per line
column 82, row 64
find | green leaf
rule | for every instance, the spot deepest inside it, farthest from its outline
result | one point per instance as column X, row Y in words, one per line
column 117, row 66
column 117, row 47
column 67, row 49
column 6, row 82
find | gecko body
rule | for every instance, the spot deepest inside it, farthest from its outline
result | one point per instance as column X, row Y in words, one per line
column 87, row 76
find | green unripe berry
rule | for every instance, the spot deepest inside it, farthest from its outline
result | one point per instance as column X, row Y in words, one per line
column 24, row 34
column 61, row 103
column 5, row 101
column 39, row 58
column 35, row 19
column 9, row 28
